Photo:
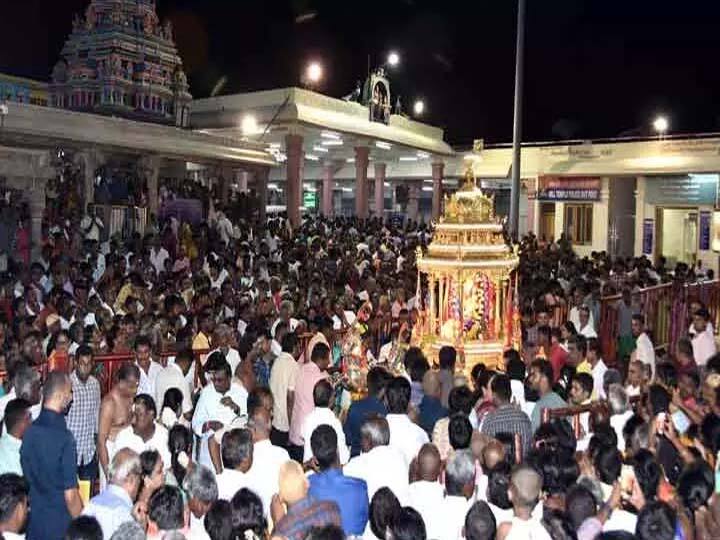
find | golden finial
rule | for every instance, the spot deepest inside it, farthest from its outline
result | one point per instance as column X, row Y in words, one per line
column 470, row 180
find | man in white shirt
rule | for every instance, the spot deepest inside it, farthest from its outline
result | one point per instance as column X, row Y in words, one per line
column 149, row 368
column 174, row 376
column 221, row 339
column 282, row 380
column 267, row 458
column 17, row 420
column 91, row 225
column 202, row 492
column 158, row 256
column 586, row 328
column 220, row 403
column 114, row 505
column 598, row 368
column 703, row 340
column 427, row 493
column 237, row 458
column 405, row 436
column 645, row 352
column 379, row 465
column 323, row 396
column 459, row 489
column 144, row 433
column 525, row 490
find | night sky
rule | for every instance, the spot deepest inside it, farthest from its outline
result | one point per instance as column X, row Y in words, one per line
column 594, row 68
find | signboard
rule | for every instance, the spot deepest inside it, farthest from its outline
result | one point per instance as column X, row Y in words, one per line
column 705, row 219
column 310, row 200
column 690, row 189
column 577, row 188
column 648, row 234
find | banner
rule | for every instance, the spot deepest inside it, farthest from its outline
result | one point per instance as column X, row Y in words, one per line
column 576, row 188
column 648, row 234
column 704, row 236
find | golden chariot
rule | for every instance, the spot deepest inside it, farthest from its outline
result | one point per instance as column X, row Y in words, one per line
column 472, row 285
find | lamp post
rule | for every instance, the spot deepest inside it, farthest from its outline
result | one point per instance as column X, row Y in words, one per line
column 313, row 75
column 517, row 122
column 661, row 125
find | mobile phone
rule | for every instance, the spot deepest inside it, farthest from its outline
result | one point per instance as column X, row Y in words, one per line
column 681, row 422
column 660, row 423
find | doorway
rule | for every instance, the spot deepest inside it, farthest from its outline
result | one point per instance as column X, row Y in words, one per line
column 547, row 222
column 677, row 230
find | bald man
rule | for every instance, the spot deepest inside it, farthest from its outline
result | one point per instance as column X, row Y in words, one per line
column 525, row 489
column 431, row 409
column 268, row 459
column 426, row 493
column 293, row 512
column 492, row 454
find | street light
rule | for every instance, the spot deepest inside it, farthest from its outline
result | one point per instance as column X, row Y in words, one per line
column 419, row 107
column 314, row 73
column 393, row 59
column 661, row 125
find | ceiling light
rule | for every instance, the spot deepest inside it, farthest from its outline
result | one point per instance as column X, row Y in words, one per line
column 272, row 186
column 408, row 158
column 383, row 145
column 423, row 155
column 249, row 125
column 427, row 188
column 321, row 149
column 332, row 142
column 312, row 157
column 350, row 160
column 330, row 135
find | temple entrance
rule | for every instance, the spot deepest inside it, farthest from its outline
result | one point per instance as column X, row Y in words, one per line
column 677, row 231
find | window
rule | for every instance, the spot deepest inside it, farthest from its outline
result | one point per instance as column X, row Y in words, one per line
column 579, row 222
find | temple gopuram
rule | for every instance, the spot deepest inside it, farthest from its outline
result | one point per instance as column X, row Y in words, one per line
column 120, row 60
column 469, row 271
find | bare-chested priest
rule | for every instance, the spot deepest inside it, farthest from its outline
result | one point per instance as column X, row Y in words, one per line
column 116, row 414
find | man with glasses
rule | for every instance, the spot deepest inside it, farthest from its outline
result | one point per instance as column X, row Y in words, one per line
column 82, row 419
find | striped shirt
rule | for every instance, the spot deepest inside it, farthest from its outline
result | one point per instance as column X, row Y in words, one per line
column 82, row 419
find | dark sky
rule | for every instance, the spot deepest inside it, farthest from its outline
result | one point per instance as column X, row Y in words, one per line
column 594, row 68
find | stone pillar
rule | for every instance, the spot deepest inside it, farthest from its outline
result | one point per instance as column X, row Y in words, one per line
column 293, row 186
column 327, row 190
column 362, row 155
column 380, row 169
column 151, row 166
column 438, row 169
column 241, row 179
column 261, row 182
column 413, row 206
column 90, row 161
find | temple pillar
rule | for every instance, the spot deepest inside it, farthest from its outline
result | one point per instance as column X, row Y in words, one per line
column 261, row 187
column 241, row 179
column 362, row 158
column 438, row 169
column 90, row 161
column 380, row 169
column 413, row 206
column 151, row 164
column 293, row 186
column 327, row 189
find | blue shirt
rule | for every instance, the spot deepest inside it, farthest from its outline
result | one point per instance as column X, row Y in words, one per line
column 49, row 462
column 431, row 410
column 357, row 414
column 350, row 494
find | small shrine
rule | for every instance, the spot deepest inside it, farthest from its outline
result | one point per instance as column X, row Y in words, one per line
column 472, row 293
column 121, row 60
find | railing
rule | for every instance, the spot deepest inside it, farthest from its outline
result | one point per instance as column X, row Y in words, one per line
column 122, row 219
column 666, row 311
column 575, row 412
